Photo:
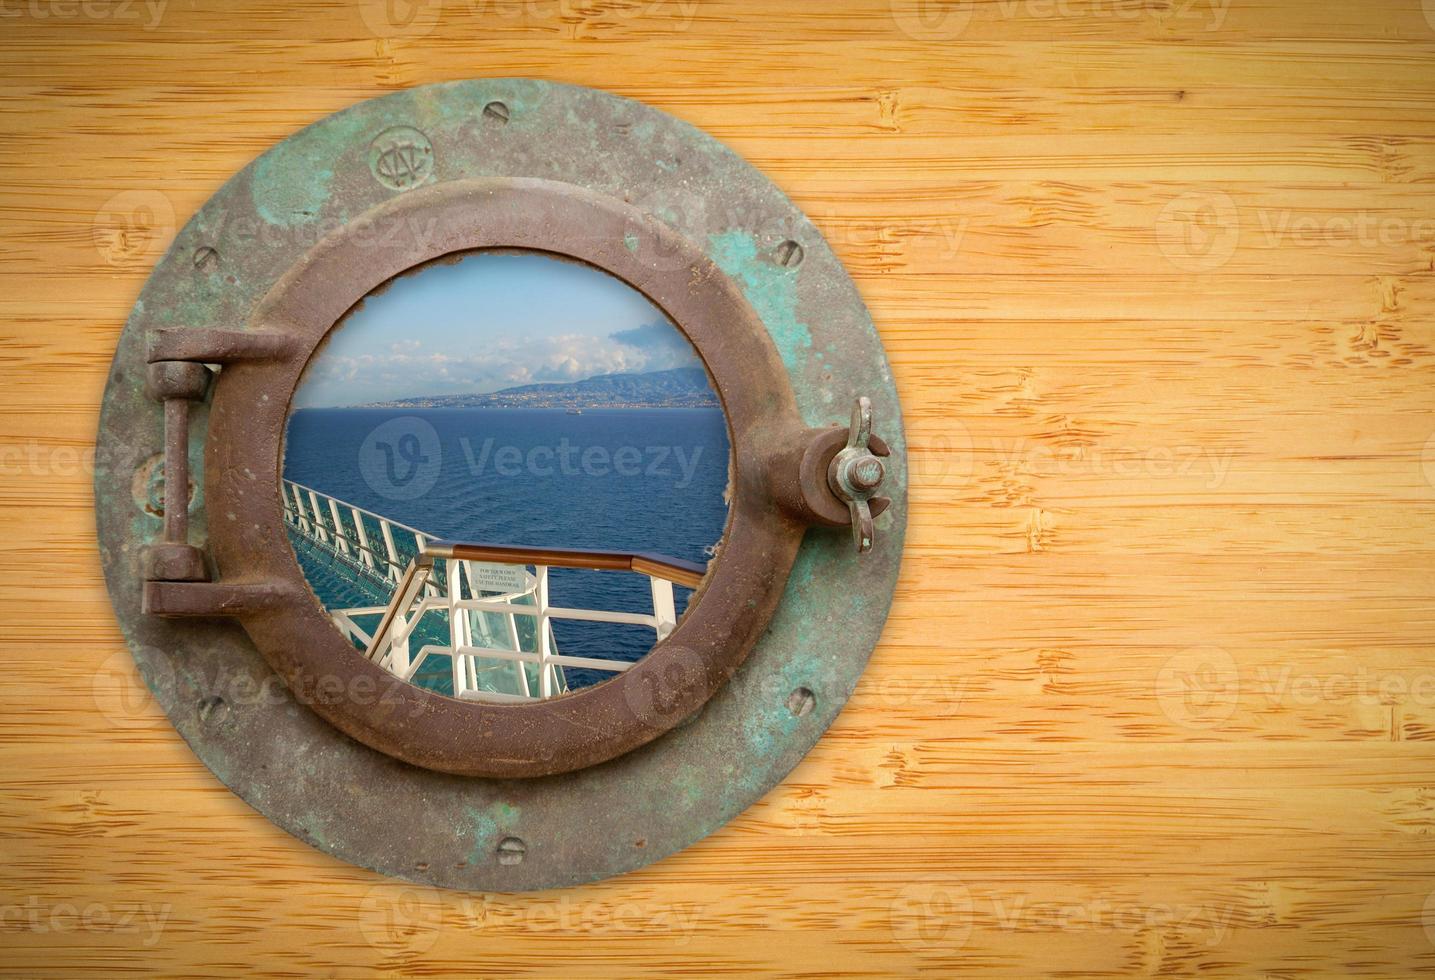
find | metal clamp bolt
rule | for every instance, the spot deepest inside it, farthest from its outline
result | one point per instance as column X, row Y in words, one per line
column 857, row 471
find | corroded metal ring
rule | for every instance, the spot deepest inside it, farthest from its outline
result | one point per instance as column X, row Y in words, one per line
column 243, row 458
column 289, row 245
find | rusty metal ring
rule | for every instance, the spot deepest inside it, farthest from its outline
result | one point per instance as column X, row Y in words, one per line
column 689, row 204
column 243, row 459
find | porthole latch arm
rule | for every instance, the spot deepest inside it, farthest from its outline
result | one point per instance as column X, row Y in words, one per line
column 857, row 471
column 831, row 477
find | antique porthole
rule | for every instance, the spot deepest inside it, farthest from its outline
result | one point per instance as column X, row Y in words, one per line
column 434, row 726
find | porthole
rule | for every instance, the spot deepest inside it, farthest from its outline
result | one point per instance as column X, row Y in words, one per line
column 525, row 407
column 755, row 641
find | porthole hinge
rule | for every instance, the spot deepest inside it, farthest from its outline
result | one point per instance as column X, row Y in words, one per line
column 176, row 575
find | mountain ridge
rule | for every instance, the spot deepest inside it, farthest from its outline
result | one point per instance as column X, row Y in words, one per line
column 674, row 388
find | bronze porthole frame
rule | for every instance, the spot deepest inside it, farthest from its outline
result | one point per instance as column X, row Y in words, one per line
column 736, row 290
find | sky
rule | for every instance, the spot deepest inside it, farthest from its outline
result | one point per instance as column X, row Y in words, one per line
column 486, row 322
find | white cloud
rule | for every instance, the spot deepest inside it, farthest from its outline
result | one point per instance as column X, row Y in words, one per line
column 408, row 368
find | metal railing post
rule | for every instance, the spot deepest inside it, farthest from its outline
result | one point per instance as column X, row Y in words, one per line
column 664, row 609
column 387, row 530
column 319, row 531
column 340, row 538
column 299, row 512
column 540, row 596
column 365, row 553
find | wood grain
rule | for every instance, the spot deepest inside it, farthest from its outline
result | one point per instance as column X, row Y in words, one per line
column 1157, row 697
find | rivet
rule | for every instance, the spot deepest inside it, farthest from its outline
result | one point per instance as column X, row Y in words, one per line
column 496, row 111
column 511, row 850
column 205, row 256
column 214, row 711
column 801, row 701
column 789, row 254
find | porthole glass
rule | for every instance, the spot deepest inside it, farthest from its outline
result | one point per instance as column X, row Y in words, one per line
column 504, row 472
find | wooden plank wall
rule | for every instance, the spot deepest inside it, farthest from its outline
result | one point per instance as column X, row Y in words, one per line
column 1157, row 696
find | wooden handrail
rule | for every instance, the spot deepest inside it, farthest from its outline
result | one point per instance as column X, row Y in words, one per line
column 676, row 570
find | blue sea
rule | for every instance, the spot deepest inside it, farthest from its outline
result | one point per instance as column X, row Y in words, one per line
column 649, row 480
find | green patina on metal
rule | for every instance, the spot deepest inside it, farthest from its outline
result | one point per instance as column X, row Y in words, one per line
column 771, row 289
column 490, row 824
column 367, row 808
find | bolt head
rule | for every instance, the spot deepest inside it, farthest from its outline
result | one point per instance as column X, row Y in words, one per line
column 865, row 473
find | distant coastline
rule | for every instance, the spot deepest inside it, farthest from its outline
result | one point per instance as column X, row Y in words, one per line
column 677, row 388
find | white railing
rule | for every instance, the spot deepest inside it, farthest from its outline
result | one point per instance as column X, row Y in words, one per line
column 347, row 532
column 483, row 592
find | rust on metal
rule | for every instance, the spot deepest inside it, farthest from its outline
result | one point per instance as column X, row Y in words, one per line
column 214, row 346
column 731, row 606
column 778, row 631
